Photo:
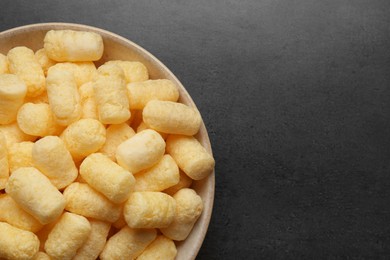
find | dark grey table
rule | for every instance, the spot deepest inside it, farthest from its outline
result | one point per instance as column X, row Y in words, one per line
column 296, row 97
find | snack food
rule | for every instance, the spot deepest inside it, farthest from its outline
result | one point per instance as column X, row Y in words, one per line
column 13, row 134
column 17, row 243
column 110, row 95
column 88, row 103
column 42, row 256
column 162, row 175
column 184, row 182
column 4, row 166
column 171, row 117
column 84, row 137
column 34, row 193
column 189, row 206
column 14, row 215
column 22, row 62
column 95, row 241
column 37, row 120
column 20, row 155
column 107, row 177
column 68, row 235
column 141, row 151
column 149, row 209
column 43, row 60
column 134, row 71
column 69, row 45
column 3, row 64
column 83, row 200
column 79, row 128
column 190, row 155
column 64, row 99
column 115, row 135
column 128, row 243
column 12, row 93
column 140, row 93
column 83, row 72
column 51, row 157
column 161, row 248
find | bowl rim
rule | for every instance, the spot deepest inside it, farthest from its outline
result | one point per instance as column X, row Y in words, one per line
column 205, row 218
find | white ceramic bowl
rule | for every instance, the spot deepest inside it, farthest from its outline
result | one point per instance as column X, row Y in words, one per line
column 117, row 47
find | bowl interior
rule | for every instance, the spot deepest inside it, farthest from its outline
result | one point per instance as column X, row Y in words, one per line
column 117, row 47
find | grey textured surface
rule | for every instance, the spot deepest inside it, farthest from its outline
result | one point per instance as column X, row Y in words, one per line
column 296, row 98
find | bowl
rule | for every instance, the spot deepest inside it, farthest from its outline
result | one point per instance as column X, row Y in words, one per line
column 117, row 47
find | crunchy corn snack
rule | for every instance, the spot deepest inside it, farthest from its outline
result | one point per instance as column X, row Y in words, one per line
column 69, row 45
column 189, row 206
column 84, row 137
column 42, row 98
column 161, row 248
column 83, row 72
column 95, row 241
column 38, row 120
column 191, row 156
column 23, row 63
column 43, row 60
column 4, row 168
column 142, row 126
column 162, row 175
column 128, row 243
column 43, row 234
column 12, row 93
column 141, row 151
column 13, row 134
column 14, row 215
column 67, row 236
column 17, row 243
column 64, row 99
column 35, row 194
column 51, row 157
column 140, row 93
column 134, row 71
column 115, row 135
column 41, row 256
column 184, row 182
column 111, row 95
column 121, row 222
column 3, row 64
column 88, row 103
column 171, row 117
column 149, row 209
column 107, row 177
column 20, row 155
column 83, row 200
